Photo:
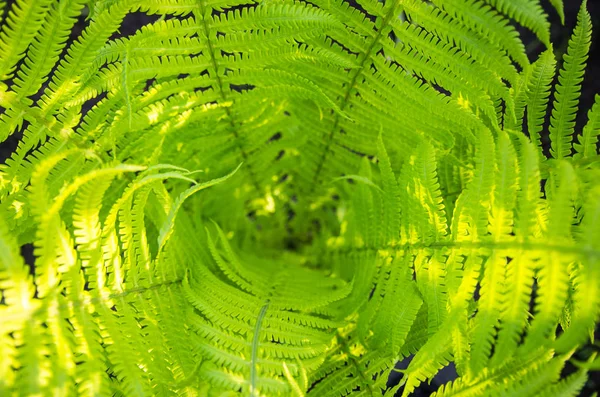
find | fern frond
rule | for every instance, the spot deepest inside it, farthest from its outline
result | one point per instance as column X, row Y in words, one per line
column 568, row 387
column 587, row 146
column 553, row 275
column 433, row 356
column 568, row 89
column 539, row 93
column 528, row 13
column 15, row 39
column 488, row 23
column 387, row 201
column 470, row 214
column 258, row 327
column 560, row 9
column 588, row 305
column 349, row 369
column 391, row 208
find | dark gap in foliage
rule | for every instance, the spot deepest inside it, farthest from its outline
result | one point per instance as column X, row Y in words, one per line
column 423, row 82
column 38, row 95
column 372, row 293
column 194, row 55
column 275, row 137
column 36, row 145
column 310, row 3
column 149, row 84
column 560, row 36
column 5, row 10
column 132, row 23
column 241, row 87
column 343, row 47
column 291, row 214
column 111, row 375
column 495, row 339
column 168, row 17
column 392, row 36
column 237, row 8
column 351, row 150
column 203, row 89
column 183, row 75
column 90, row 104
column 395, row 375
column 18, row 66
column 543, row 183
column 230, row 12
column 445, row 375
column 70, row 323
column 534, row 294
column 477, row 292
column 372, row 66
column 76, row 31
column 440, row 89
column 501, row 106
column 228, row 53
column 10, row 145
column 567, row 370
column 28, row 257
column 313, row 385
column 382, row 54
column 354, row 4
column 545, row 132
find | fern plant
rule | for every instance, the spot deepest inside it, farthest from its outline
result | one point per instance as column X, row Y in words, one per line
column 277, row 197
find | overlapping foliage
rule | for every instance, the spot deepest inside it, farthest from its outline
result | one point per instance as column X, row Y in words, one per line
column 275, row 197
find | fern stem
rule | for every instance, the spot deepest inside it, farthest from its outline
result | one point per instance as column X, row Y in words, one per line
column 213, row 60
column 125, row 80
column 355, row 364
column 255, row 343
column 346, row 99
column 524, row 246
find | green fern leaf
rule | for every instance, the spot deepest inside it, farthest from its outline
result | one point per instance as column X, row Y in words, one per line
column 587, row 146
column 570, row 78
column 539, row 93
